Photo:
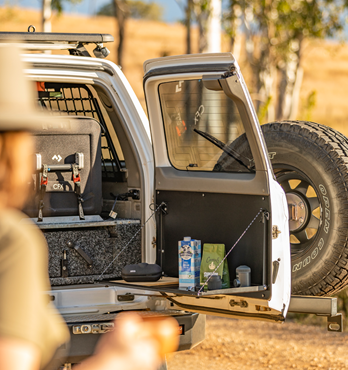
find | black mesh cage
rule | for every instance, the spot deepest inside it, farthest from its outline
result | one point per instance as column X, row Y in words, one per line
column 78, row 100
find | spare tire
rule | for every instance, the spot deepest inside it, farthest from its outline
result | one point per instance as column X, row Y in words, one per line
column 310, row 161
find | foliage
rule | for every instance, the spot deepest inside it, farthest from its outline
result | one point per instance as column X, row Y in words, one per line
column 58, row 4
column 342, row 302
column 137, row 9
column 201, row 10
column 262, row 112
column 279, row 24
column 308, row 107
column 8, row 13
column 275, row 30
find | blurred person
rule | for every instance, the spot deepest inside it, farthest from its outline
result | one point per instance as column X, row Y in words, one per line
column 31, row 329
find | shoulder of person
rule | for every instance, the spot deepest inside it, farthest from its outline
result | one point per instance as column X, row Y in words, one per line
column 15, row 226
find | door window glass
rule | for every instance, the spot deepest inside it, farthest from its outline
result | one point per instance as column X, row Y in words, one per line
column 203, row 129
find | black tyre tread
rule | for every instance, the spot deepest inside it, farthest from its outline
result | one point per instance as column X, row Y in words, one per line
column 336, row 275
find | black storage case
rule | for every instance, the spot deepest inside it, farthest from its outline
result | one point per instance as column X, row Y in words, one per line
column 141, row 272
column 58, row 145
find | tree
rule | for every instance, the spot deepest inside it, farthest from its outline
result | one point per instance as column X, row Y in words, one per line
column 188, row 19
column 202, row 10
column 274, row 39
column 137, row 10
column 187, row 8
column 122, row 10
column 47, row 7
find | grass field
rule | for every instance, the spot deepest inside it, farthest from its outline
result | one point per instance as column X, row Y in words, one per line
column 325, row 63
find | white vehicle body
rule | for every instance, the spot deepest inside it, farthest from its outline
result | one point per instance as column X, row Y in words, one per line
column 97, row 72
column 176, row 183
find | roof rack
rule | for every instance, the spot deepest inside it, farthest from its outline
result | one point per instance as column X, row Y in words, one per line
column 73, row 42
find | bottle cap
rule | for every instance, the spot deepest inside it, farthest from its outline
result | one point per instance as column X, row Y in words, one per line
column 187, row 238
column 243, row 268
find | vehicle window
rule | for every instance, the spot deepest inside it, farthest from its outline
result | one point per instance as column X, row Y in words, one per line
column 203, row 129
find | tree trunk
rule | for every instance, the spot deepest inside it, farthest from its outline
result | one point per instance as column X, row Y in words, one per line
column 121, row 13
column 214, row 27
column 202, row 41
column 188, row 12
column 202, row 15
column 296, row 93
column 46, row 16
column 236, row 45
column 289, row 87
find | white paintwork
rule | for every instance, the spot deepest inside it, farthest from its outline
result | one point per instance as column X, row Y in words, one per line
column 90, row 300
column 281, row 290
column 100, row 300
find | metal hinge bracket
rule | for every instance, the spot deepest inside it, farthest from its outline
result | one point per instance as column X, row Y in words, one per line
column 275, row 232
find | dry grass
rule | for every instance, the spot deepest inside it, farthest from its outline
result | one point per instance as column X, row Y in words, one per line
column 325, row 64
column 254, row 345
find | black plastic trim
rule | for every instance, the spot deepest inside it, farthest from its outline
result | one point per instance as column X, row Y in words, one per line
column 202, row 68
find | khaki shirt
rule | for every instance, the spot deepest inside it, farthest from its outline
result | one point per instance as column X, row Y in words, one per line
column 25, row 311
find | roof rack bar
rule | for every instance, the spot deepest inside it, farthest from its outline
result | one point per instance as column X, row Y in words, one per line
column 52, row 37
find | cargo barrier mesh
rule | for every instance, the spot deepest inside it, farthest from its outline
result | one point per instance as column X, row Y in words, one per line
column 77, row 100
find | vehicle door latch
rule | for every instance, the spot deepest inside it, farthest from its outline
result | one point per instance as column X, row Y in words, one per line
column 128, row 297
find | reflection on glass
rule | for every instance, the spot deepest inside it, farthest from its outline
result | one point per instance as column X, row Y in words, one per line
column 203, row 129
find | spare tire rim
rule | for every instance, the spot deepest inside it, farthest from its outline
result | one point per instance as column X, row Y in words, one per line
column 304, row 207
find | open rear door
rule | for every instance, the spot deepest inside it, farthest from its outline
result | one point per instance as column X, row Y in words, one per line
column 214, row 183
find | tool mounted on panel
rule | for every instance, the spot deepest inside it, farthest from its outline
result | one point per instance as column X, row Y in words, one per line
column 81, row 252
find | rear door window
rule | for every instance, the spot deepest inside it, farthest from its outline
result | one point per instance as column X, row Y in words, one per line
column 202, row 127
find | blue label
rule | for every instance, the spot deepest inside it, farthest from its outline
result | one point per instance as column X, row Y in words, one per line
column 186, row 265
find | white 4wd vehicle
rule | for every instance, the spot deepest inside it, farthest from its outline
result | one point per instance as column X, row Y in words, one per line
column 198, row 167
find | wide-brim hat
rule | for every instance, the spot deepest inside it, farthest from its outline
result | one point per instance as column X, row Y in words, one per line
column 19, row 110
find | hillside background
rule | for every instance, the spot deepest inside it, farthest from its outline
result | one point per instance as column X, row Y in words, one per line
column 324, row 92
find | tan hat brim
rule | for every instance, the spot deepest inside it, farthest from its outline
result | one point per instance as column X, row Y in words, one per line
column 21, row 121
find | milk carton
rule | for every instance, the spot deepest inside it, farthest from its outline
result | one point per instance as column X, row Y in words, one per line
column 189, row 262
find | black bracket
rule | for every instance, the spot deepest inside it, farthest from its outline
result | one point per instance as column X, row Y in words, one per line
column 264, row 216
column 81, row 252
column 128, row 297
column 64, row 265
column 164, row 208
column 134, row 193
column 80, row 51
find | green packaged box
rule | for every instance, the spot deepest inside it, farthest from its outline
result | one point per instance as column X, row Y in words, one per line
column 213, row 254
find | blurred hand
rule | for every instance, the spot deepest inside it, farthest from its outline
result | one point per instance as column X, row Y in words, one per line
column 136, row 343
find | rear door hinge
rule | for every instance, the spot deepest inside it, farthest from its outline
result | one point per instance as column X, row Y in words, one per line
column 275, row 232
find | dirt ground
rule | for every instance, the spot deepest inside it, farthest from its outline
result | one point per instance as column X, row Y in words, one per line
column 251, row 345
